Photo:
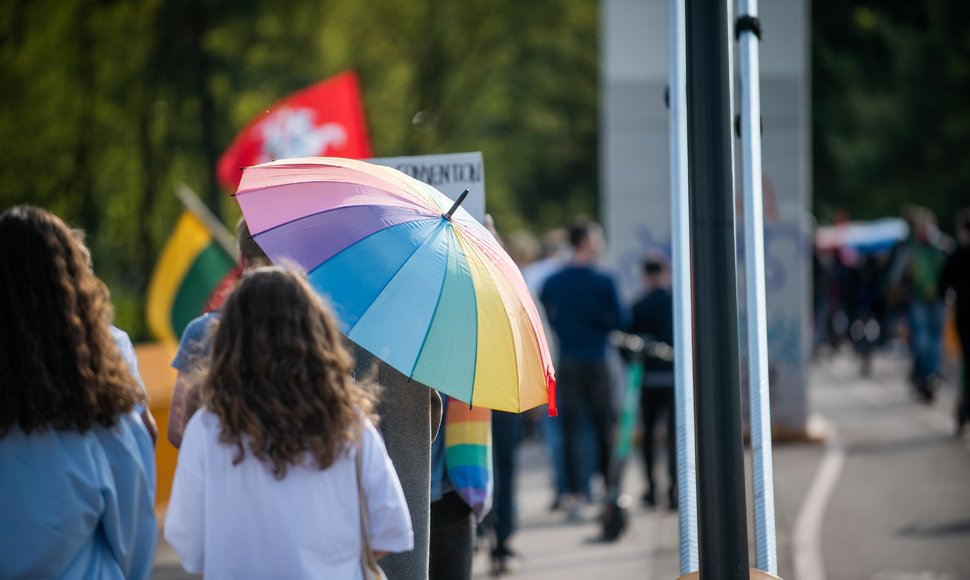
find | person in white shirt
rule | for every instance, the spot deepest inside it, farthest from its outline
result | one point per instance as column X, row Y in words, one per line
column 266, row 484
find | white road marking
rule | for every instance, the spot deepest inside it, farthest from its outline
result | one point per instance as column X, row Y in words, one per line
column 807, row 533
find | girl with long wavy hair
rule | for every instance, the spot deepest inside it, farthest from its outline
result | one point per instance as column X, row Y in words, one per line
column 78, row 480
column 267, row 478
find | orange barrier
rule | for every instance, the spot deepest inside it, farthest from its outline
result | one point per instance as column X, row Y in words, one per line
column 154, row 362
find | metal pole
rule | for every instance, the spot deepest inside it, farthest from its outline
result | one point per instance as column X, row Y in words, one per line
column 681, row 271
column 721, row 506
column 215, row 226
column 766, row 557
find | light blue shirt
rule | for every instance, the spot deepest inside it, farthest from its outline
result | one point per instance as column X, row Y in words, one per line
column 78, row 505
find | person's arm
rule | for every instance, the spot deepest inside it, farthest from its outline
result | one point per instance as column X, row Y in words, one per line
column 150, row 424
column 185, row 402
column 191, row 362
column 127, row 350
column 548, row 303
column 387, row 511
column 185, row 518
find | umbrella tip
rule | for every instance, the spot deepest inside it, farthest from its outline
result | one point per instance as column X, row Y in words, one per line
column 454, row 207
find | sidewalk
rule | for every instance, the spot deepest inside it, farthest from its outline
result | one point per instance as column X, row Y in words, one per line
column 551, row 547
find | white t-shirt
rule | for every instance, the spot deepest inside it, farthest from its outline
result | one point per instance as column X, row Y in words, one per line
column 238, row 521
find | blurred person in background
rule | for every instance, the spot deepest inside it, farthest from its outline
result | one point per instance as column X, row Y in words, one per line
column 78, row 488
column 507, row 434
column 583, row 306
column 653, row 318
column 555, row 255
column 914, row 275
column 955, row 278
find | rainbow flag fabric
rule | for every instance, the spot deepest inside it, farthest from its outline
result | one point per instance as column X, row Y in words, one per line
column 468, row 453
column 191, row 272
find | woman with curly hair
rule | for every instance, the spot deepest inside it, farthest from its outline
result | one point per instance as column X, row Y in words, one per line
column 267, row 478
column 78, row 478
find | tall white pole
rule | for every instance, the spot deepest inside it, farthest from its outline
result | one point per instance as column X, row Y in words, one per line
column 766, row 557
column 681, row 271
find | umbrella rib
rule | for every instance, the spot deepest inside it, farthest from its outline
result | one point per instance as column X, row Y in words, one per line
column 390, row 279
column 427, row 331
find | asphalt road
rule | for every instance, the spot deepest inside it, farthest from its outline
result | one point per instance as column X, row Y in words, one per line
column 901, row 506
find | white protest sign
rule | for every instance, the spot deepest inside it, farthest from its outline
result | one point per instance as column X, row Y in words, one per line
column 451, row 174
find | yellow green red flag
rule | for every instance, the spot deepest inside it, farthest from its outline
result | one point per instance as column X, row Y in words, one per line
column 191, row 268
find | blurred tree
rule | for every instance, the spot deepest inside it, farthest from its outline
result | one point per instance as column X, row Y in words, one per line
column 107, row 105
column 890, row 117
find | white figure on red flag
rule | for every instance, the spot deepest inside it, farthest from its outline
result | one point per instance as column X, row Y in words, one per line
column 326, row 119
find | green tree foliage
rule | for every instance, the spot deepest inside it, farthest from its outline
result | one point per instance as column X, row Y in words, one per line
column 107, row 105
column 891, row 121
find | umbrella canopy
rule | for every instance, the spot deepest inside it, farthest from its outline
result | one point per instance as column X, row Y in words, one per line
column 412, row 278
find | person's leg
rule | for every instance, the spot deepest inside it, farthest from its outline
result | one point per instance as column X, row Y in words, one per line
column 600, row 400
column 918, row 329
column 963, row 405
column 506, row 435
column 553, row 436
column 936, row 315
column 648, row 410
column 668, row 405
column 570, row 410
column 452, row 539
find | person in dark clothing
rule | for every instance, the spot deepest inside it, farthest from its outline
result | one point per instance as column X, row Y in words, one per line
column 583, row 306
column 506, row 437
column 955, row 276
column 653, row 318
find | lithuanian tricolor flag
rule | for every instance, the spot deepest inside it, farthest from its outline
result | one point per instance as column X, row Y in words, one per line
column 192, row 268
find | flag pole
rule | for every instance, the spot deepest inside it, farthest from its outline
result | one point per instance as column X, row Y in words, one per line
column 722, row 523
column 681, row 272
column 219, row 232
column 748, row 32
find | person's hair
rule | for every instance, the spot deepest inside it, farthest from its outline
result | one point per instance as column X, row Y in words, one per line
column 252, row 255
column 62, row 368
column 280, row 378
column 553, row 242
column 579, row 231
column 523, row 248
column 653, row 266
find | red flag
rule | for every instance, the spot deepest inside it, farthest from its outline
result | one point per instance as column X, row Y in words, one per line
column 324, row 119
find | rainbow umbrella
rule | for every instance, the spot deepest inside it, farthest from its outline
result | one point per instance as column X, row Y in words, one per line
column 412, row 277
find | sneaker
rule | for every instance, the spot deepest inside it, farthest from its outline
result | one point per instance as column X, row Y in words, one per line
column 648, row 498
column 577, row 512
column 557, row 504
column 501, row 565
